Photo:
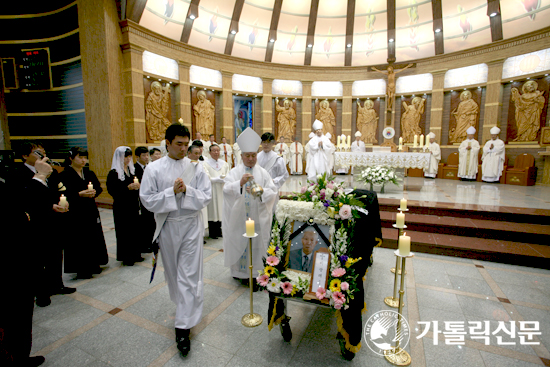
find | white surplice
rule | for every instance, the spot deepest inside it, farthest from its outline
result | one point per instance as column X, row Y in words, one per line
column 296, row 153
column 179, row 230
column 319, row 158
column 206, row 150
column 468, row 159
column 358, row 147
column 435, row 157
column 275, row 166
column 237, row 152
column 226, row 153
column 493, row 160
column 214, row 169
column 238, row 206
column 285, row 151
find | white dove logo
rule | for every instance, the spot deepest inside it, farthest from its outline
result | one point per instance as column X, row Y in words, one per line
column 382, row 332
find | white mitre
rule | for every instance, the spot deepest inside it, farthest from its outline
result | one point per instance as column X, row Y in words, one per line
column 317, row 125
column 358, row 133
column 495, row 130
column 249, row 141
column 471, row 130
column 431, row 135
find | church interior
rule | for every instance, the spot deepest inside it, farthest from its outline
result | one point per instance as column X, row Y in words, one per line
column 100, row 74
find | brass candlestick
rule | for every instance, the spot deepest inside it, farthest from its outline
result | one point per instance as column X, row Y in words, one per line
column 251, row 319
column 393, row 301
column 399, row 356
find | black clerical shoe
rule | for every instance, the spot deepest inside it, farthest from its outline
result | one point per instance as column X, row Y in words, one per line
column 182, row 340
column 64, row 290
column 43, row 301
column 34, row 361
column 286, row 332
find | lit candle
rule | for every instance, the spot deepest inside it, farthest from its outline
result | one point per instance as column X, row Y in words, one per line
column 421, row 140
column 415, row 141
column 250, row 228
column 403, row 205
column 136, row 180
column 63, row 201
column 404, row 245
column 90, row 186
column 400, row 220
column 349, row 141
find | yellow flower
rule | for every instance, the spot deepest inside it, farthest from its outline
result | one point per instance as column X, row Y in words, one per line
column 271, row 250
column 269, row 270
column 351, row 261
column 340, row 204
column 335, row 285
column 294, row 290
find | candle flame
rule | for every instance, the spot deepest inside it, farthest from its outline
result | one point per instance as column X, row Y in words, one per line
column 404, row 233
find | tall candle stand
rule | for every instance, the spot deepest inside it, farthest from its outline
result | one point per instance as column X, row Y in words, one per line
column 393, row 301
column 251, row 319
column 397, row 355
column 399, row 234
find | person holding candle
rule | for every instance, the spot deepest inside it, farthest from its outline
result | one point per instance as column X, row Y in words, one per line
column 273, row 163
column 217, row 169
column 435, row 157
column 123, row 189
column 239, row 205
column 468, row 156
column 177, row 190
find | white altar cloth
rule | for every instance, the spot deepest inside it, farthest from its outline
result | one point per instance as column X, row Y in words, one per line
column 395, row 160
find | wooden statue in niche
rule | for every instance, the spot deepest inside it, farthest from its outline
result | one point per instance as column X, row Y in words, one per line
column 286, row 119
column 410, row 119
column 390, row 90
column 157, row 107
column 529, row 107
column 203, row 111
column 367, row 122
column 326, row 116
column 466, row 115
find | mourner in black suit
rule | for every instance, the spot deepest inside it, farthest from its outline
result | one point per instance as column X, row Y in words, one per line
column 146, row 225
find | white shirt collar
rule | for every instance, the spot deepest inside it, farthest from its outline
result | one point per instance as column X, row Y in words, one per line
column 32, row 168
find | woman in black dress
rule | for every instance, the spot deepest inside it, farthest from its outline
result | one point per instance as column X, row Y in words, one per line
column 125, row 192
column 86, row 251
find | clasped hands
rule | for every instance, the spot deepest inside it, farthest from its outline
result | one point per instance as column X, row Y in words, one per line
column 179, row 186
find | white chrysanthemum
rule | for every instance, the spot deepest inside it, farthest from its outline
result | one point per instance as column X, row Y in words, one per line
column 274, row 285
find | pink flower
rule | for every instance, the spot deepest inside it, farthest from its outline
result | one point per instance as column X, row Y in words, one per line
column 313, row 193
column 344, row 286
column 321, row 293
column 330, row 186
column 338, row 298
column 272, row 260
column 345, row 212
column 286, row 287
column 263, row 280
column 338, row 272
column 337, row 306
column 304, row 189
column 322, row 191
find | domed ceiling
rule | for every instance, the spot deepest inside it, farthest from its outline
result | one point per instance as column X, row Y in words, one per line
column 342, row 32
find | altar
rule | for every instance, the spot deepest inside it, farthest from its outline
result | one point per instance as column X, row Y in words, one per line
column 388, row 159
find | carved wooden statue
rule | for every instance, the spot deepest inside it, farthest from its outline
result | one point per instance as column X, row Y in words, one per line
column 156, row 111
column 326, row 116
column 367, row 122
column 286, row 119
column 390, row 90
column 410, row 120
column 528, row 109
column 204, row 114
column 465, row 115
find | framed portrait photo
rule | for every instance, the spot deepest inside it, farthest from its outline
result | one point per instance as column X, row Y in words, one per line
column 306, row 238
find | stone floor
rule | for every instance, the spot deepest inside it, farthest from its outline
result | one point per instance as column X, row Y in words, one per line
column 119, row 319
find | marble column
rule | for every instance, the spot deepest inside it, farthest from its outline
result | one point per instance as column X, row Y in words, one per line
column 436, row 113
column 306, row 110
column 134, row 99
column 493, row 99
column 228, row 117
column 347, row 108
column 267, row 106
column 183, row 95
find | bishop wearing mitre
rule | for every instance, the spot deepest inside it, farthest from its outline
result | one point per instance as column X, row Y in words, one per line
column 217, row 169
column 435, row 157
column 358, row 146
column 282, row 150
column 467, row 156
column 493, row 157
column 296, row 154
column 320, row 152
column 240, row 204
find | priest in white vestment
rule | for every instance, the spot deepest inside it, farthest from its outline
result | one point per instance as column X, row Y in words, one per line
column 296, row 157
column 320, row 151
column 358, row 146
column 435, row 157
column 237, row 154
column 272, row 163
column 239, row 205
column 176, row 191
column 207, row 145
column 493, row 157
column 468, row 156
column 217, row 170
column 282, row 150
column 226, row 152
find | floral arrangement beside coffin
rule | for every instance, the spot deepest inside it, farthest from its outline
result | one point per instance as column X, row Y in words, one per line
column 378, row 175
column 321, row 202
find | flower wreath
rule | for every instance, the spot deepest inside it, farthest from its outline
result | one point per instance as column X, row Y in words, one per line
column 323, row 202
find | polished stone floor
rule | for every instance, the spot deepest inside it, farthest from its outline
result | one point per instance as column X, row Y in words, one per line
column 119, row 319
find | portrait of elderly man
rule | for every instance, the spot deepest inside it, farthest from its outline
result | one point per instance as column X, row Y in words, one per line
column 301, row 258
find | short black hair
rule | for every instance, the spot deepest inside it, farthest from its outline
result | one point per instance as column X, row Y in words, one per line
column 211, row 135
column 191, row 147
column 28, row 146
column 153, row 150
column 140, row 150
column 198, row 143
column 127, row 152
column 212, row 146
column 269, row 137
column 176, row 130
column 73, row 152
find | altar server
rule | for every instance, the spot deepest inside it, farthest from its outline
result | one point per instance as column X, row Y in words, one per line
column 176, row 191
column 282, row 150
column 217, row 170
column 320, row 150
column 467, row 156
column 358, row 145
column 237, row 151
column 272, row 163
column 296, row 152
column 226, row 152
column 239, row 205
column 493, row 157
column 435, row 157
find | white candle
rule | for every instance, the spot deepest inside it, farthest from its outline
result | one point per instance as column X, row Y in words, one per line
column 250, row 228
column 136, row 180
column 90, row 186
column 337, row 142
column 63, row 201
column 421, row 140
column 403, row 204
column 415, row 141
column 400, row 220
column 400, row 143
column 349, row 141
column 427, row 142
column 404, row 245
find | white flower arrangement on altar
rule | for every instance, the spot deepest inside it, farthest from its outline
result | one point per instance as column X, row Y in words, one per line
column 322, row 202
column 378, row 175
